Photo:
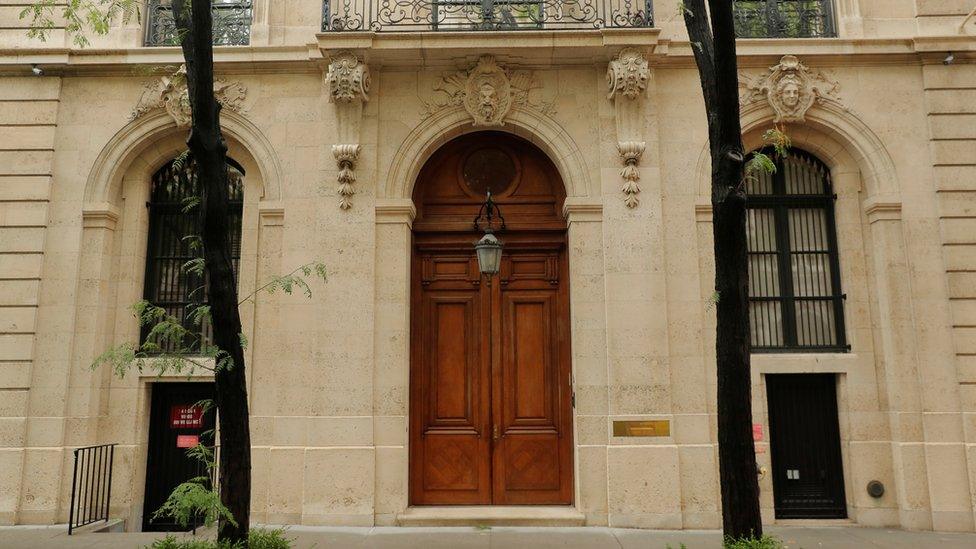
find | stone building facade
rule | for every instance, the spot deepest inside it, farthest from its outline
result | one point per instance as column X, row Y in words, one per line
column 332, row 130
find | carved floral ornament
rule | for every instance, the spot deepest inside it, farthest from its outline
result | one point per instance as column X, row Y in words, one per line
column 627, row 75
column 346, row 157
column 790, row 87
column 630, row 154
column 170, row 92
column 487, row 92
column 348, row 78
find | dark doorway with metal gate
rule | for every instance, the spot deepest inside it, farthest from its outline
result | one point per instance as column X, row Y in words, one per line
column 176, row 424
column 808, row 472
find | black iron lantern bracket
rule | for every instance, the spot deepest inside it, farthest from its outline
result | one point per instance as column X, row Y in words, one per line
column 488, row 215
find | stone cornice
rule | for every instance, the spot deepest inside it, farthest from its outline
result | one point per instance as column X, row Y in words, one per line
column 531, row 48
column 583, row 209
column 100, row 216
column 877, row 210
column 395, row 210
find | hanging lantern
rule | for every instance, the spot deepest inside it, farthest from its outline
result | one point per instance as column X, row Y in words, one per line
column 489, row 250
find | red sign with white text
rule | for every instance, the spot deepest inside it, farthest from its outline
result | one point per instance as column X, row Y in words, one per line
column 757, row 432
column 185, row 416
column 187, row 441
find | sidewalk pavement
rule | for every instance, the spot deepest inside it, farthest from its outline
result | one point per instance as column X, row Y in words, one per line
column 795, row 537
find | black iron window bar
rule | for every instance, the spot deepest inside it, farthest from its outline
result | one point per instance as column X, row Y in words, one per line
column 795, row 298
column 231, row 23
column 168, row 284
column 784, row 18
column 483, row 15
column 91, row 485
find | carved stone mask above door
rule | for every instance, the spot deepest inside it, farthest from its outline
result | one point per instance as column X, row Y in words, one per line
column 487, row 91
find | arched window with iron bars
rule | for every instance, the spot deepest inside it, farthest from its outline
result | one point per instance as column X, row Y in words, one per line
column 795, row 298
column 173, row 221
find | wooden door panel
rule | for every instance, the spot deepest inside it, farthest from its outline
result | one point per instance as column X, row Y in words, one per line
column 527, row 378
column 532, row 458
column 450, row 448
column 453, row 362
column 530, row 465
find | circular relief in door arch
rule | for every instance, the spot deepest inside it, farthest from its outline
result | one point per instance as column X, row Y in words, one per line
column 489, row 169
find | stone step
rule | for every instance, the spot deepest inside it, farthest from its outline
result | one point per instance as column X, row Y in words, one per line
column 491, row 515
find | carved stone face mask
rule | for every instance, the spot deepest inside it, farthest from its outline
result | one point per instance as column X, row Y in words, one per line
column 791, row 95
column 487, row 99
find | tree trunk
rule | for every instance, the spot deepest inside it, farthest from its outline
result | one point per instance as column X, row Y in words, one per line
column 714, row 48
column 209, row 150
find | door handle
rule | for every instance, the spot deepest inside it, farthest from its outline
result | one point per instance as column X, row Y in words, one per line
column 494, row 432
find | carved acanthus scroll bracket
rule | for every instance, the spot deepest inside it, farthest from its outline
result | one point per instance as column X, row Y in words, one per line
column 628, row 76
column 347, row 83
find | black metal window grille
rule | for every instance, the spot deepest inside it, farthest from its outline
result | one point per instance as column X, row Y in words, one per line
column 168, row 284
column 481, row 15
column 91, row 485
column 795, row 299
column 231, row 23
column 784, row 18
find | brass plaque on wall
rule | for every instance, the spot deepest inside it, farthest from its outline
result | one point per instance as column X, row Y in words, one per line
column 644, row 428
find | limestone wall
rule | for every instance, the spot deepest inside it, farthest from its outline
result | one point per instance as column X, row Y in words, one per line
column 329, row 374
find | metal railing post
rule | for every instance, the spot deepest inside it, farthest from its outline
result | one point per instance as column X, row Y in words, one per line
column 74, row 480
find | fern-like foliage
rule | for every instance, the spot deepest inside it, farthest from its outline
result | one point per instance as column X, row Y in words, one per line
column 777, row 138
column 760, row 163
column 191, row 499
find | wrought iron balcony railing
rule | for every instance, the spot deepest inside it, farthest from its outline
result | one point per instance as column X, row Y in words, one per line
column 483, row 15
column 784, row 18
column 231, row 23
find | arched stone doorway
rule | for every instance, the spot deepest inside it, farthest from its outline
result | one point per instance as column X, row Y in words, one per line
column 490, row 373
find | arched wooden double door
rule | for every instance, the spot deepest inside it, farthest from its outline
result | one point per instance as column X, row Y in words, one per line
column 490, row 387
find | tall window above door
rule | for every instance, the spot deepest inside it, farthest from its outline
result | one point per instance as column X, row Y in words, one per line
column 231, row 23
column 172, row 223
column 795, row 298
column 784, row 18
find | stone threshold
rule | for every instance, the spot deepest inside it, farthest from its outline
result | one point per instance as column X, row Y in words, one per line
column 492, row 515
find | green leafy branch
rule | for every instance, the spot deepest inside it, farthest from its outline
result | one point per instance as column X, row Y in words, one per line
column 171, row 346
column 294, row 280
column 77, row 17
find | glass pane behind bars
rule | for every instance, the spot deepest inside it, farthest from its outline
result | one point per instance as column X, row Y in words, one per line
column 765, row 308
column 167, row 285
column 794, row 301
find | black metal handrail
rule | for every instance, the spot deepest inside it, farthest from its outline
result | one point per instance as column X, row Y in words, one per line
column 91, row 485
column 231, row 23
column 484, row 15
column 784, row 18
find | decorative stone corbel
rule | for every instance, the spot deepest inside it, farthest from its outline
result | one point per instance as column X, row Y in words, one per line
column 347, row 82
column 627, row 79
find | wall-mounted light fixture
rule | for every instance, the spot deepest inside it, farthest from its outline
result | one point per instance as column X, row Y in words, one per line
column 489, row 248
